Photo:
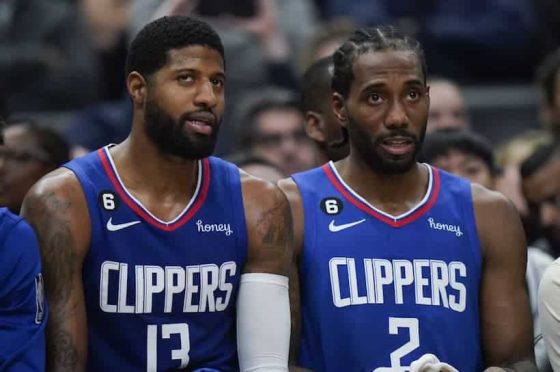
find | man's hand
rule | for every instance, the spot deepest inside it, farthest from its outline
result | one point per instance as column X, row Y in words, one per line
column 430, row 363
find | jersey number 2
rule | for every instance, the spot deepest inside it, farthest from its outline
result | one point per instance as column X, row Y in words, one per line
column 167, row 330
column 412, row 344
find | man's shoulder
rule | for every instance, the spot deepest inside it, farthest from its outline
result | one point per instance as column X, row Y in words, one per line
column 486, row 197
column 59, row 181
column 492, row 207
column 55, row 192
column 254, row 187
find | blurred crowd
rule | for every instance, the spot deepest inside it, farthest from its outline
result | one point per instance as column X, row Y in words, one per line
column 63, row 89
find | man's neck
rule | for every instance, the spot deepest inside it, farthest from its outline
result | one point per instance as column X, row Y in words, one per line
column 393, row 193
column 146, row 170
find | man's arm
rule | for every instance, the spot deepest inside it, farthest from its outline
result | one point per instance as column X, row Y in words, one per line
column 263, row 305
column 22, row 339
column 56, row 209
column 269, row 225
column 504, row 306
column 290, row 189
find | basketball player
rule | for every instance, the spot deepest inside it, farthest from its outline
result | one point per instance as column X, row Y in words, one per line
column 331, row 142
column 148, row 245
column 23, row 310
column 400, row 261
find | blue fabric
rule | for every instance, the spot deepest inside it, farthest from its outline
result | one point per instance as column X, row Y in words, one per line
column 23, row 310
column 101, row 124
column 379, row 291
column 469, row 40
column 161, row 296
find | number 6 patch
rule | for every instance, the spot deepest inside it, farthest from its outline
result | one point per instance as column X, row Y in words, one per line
column 108, row 201
column 331, row 206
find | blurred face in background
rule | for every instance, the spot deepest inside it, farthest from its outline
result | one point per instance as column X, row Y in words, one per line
column 552, row 112
column 106, row 20
column 447, row 107
column 279, row 137
column 467, row 166
column 542, row 191
column 22, row 163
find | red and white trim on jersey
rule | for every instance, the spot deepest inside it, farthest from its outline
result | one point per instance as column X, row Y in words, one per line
column 134, row 204
column 396, row 221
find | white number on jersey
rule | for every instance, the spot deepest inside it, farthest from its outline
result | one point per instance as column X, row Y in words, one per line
column 167, row 330
column 412, row 344
column 108, row 200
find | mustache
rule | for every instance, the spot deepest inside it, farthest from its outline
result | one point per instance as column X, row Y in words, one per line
column 400, row 132
column 207, row 116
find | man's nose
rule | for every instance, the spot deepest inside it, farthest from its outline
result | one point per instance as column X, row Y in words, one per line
column 205, row 95
column 396, row 117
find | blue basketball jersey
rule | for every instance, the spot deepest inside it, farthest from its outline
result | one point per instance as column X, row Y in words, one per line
column 23, row 310
column 161, row 295
column 379, row 291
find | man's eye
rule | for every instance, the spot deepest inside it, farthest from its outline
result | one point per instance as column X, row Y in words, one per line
column 184, row 78
column 374, row 98
column 218, row 82
column 413, row 95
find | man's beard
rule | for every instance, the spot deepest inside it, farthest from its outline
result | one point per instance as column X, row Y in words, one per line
column 170, row 139
column 375, row 157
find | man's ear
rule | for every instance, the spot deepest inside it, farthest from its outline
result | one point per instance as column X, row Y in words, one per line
column 339, row 108
column 137, row 88
column 315, row 126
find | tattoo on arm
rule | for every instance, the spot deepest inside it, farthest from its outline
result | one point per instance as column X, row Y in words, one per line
column 275, row 226
column 61, row 353
column 48, row 214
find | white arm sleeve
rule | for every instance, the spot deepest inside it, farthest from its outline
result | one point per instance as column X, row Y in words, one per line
column 549, row 312
column 263, row 323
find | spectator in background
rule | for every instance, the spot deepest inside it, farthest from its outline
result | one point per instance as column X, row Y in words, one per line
column 107, row 22
column 463, row 153
column 509, row 158
column 98, row 125
column 258, row 167
column 549, row 291
column 29, row 152
column 548, row 79
column 23, row 310
column 321, row 125
column 540, row 180
column 448, row 108
column 548, row 12
column 470, row 156
column 45, row 59
column 272, row 128
column 327, row 38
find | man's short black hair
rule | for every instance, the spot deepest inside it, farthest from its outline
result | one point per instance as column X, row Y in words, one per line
column 316, row 85
column 546, row 76
column 538, row 159
column 52, row 143
column 440, row 143
column 148, row 51
column 54, row 146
